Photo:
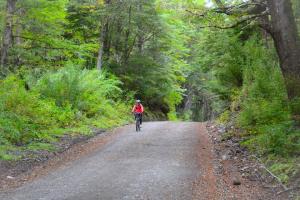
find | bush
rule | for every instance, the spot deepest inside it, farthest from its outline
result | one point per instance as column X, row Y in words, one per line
column 280, row 139
column 295, row 107
column 24, row 116
column 172, row 100
column 224, row 117
column 85, row 90
column 265, row 112
column 90, row 93
column 261, row 112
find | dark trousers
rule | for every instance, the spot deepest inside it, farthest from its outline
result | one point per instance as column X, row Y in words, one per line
column 140, row 116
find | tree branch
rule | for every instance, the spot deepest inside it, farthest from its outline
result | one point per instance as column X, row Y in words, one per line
column 235, row 24
column 248, row 8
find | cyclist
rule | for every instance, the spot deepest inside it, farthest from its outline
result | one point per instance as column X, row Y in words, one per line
column 138, row 110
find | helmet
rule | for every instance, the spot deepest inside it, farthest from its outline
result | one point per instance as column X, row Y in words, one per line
column 138, row 101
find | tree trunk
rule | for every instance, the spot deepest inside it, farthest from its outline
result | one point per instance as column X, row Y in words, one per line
column 127, row 36
column 117, row 42
column 140, row 42
column 286, row 39
column 103, row 40
column 7, row 34
column 103, row 36
column 18, row 39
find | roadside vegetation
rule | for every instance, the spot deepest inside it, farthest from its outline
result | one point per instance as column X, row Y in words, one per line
column 70, row 100
column 239, row 77
column 72, row 66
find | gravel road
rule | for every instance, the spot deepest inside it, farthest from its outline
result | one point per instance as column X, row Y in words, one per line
column 161, row 162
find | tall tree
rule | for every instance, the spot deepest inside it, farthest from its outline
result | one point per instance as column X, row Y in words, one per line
column 104, row 47
column 7, row 39
column 287, row 42
column 277, row 18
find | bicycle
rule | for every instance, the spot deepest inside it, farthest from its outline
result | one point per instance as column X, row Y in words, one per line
column 138, row 121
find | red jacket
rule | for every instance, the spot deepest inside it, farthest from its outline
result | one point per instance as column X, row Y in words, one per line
column 138, row 108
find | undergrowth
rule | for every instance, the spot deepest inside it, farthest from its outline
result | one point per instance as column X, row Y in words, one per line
column 263, row 113
column 36, row 111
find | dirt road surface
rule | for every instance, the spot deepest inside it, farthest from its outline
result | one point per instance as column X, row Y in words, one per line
column 165, row 161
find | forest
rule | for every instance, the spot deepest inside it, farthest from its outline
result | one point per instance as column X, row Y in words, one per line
column 71, row 66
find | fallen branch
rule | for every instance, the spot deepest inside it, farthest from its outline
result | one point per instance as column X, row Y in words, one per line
column 269, row 186
column 288, row 189
column 273, row 175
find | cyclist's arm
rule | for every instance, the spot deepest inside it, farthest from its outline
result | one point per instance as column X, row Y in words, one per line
column 133, row 109
column 142, row 108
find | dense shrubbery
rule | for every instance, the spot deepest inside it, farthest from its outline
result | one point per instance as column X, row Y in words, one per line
column 58, row 102
column 24, row 116
column 87, row 91
column 250, row 84
column 244, row 78
column 265, row 112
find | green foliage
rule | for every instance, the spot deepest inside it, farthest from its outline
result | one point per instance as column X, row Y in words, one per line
column 262, row 104
column 284, row 168
column 281, row 139
column 264, row 110
column 240, row 76
column 40, row 26
column 5, row 152
column 224, row 117
column 295, row 107
column 41, row 146
column 153, row 50
column 144, row 54
column 60, row 101
column 84, row 90
column 235, row 77
column 24, row 117
column 145, row 47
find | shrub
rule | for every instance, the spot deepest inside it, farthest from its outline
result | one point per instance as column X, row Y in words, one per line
column 260, row 112
column 265, row 112
column 295, row 108
column 224, row 117
column 87, row 91
column 24, row 116
column 260, row 100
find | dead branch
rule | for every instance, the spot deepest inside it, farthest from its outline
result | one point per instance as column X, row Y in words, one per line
column 288, row 189
column 273, row 175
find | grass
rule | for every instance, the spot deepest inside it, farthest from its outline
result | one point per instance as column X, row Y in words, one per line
column 9, row 152
column 285, row 168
